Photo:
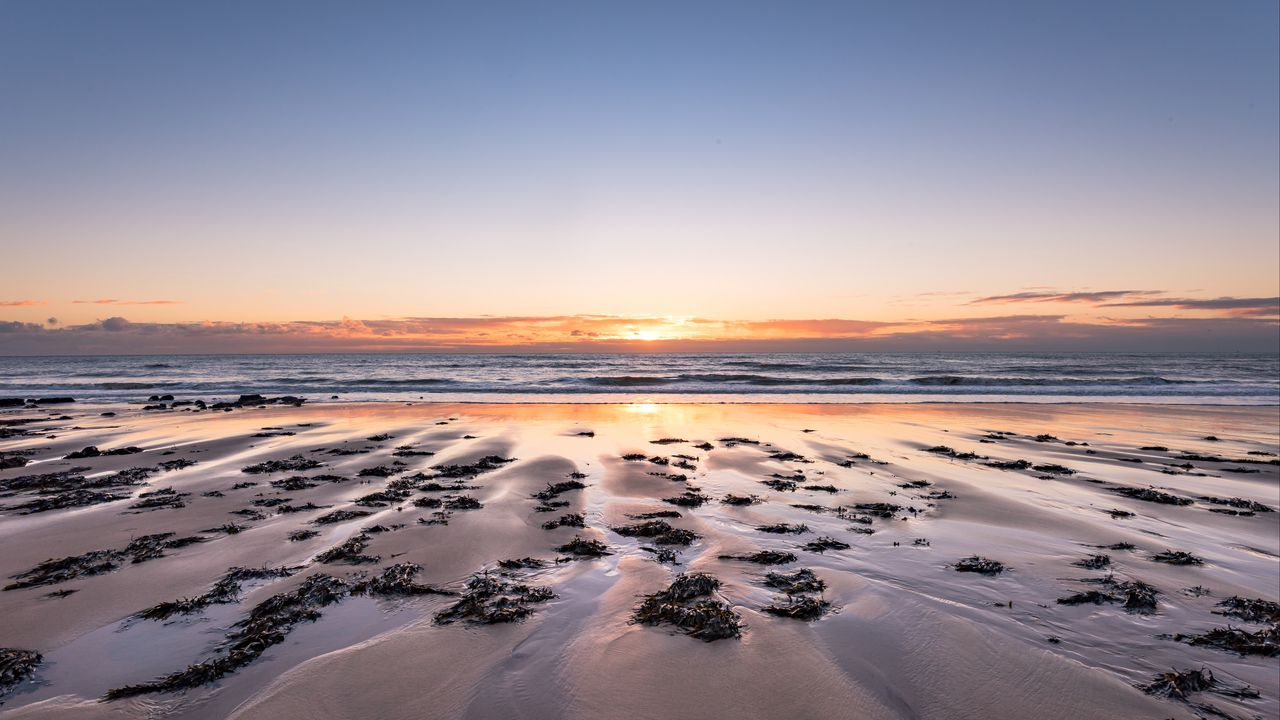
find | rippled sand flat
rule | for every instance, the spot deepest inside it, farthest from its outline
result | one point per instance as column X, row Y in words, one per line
column 917, row 493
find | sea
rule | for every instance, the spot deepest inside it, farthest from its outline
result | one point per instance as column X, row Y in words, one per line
column 1234, row 379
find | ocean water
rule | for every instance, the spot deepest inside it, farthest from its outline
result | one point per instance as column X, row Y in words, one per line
column 751, row 377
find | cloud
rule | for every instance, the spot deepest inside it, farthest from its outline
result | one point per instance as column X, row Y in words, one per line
column 23, row 303
column 604, row 333
column 1050, row 296
column 1260, row 307
column 113, row 301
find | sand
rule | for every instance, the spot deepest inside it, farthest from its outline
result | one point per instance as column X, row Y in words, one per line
column 905, row 633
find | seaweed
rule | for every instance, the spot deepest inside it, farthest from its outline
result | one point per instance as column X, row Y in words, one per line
column 822, row 488
column 661, row 532
column 801, row 581
column 462, row 502
column 1178, row 685
column 1094, row 562
column 780, row 484
column 783, row 528
column 786, row 456
column 1264, row 642
column 824, row 544
column 266, row 625
column 880, row 510
column 685, row 604
column 1252, row 505
column 158, row 499
column 300, row 535
column 732, row 499
column 340, row 515
column 97, row 562
column 351, row 551
column 17, row 666
column 65, row 499
column 554, row 490
column 655, row 514
column 1054, row 469
column 577, row 520
column 293, row 464
column 1250, row 609
column 1177, row 557
column 763, row 557
column 1010, row 464
column 1151, row 495
column 223, row 592
column 585, row 548
column 689, row 498
column 522, row 563
column 981, row 565
column 489, row 600
column 397, row 580
column 483, row 465
column 799, row 608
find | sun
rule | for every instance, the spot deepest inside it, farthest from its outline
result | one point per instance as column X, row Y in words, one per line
column 647, row 335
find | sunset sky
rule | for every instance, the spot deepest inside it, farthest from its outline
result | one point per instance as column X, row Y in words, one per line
column 246, row 176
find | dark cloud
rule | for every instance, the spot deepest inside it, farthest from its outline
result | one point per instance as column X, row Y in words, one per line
column 1091, row 298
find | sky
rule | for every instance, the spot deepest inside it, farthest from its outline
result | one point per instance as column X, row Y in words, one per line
column 276, row 176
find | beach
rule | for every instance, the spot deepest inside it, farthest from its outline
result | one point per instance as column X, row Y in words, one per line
column 1117, row 535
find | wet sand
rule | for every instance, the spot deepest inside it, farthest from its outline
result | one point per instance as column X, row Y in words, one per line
column 912, row 490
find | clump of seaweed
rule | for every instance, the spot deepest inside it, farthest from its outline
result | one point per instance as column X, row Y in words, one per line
column 981, row 565
column 1178, row 685
column 824, row 544
column 1264, row 642
column 340, row 515
column 783, row 528
column 763, row 557
column 655, row 514
column 1010, row 464
column 1054, row 469
column 732, row 499
column 880, row 510
column 577, row 520
column 1093, row 562
column 787, row 456
column 1250, row 505
column 1250, row 609
column 795, row 583
column 225, row 591
column 554, row 490
column 660, row 531
column 799, row 608
column 97, row 562
column 266, row 625
column 351, row 551
column 293, row 464
column 524, row 563
column 580, row 547
column 686, row 605
column 162, row 498
column 483, row 465
column 17, row 666
column 300, row 535
column 781, row 484
column 664, row 555
column 462, row 502
column 1135, row 595
column 822, row 488
column 1151, row 495
column 689, row 498
column 489, row 600
column 397, row 580
column 1177, row 557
